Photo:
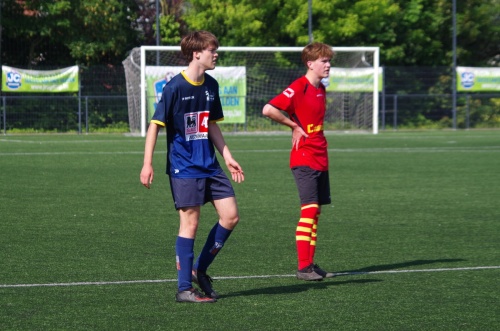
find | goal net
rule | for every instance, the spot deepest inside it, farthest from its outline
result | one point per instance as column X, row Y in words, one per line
column 250, row 76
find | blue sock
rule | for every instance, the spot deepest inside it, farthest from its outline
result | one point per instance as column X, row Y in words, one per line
column 184, row 249
column 215, row 241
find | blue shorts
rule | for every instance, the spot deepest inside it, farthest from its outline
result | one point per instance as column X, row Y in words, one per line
column 191, row 192
column 313, row 185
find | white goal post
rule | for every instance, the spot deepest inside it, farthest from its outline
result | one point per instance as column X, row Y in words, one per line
column 355, row 106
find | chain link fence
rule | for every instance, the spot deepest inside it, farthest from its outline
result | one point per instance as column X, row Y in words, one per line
column 413, row 98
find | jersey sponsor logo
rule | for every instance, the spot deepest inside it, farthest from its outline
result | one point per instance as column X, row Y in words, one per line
column 289, row 92
column 191, row 97
column 196, row 125
column 210, row 96
column 311, row 128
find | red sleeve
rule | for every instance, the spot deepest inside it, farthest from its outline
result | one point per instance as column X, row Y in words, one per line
column 285, row 100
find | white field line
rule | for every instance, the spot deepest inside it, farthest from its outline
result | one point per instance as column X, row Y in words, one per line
column 244, row 277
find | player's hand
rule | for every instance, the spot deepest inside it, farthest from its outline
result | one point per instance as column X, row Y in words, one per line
column 147, row 175
column 237, row 173
column 297, row 135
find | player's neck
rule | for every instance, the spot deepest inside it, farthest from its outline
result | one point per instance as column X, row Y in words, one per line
column 195, row 73
column 313, row 79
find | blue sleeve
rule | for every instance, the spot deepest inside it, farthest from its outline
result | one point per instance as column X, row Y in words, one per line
column 216, row 113
column 164, row 107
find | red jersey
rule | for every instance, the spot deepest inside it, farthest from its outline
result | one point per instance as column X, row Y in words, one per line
column 305, row 105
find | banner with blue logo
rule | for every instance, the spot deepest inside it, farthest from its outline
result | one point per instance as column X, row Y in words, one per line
column 38, row 81
column 475, row 79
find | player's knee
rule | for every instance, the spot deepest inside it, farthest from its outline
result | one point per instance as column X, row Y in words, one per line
column 234, row 220
column 230, row 222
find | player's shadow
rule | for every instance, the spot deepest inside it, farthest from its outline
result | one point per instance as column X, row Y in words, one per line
column 394, row 266
column 297, row 288
column 304, row 286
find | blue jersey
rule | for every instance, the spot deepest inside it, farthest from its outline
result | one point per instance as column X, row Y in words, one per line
column 185, row 109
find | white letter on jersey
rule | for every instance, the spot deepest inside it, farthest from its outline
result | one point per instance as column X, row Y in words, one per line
column 204, row 122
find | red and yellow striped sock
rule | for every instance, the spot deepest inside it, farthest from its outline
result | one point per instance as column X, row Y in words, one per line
column 314, row 238
column 303, row 234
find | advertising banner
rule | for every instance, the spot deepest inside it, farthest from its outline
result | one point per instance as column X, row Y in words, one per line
column 232, row 89
column 353, row 80
column 475, row 79
column 38, row 81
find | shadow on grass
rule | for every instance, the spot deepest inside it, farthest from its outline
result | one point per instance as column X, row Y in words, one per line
column 385, row 267
column 297, row 288
column 304, row 286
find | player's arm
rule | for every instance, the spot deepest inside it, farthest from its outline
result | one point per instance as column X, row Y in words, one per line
column 216, row 137
column 147, row 172
column 277, row 115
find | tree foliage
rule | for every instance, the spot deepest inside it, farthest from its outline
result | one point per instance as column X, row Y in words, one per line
column 106, row 30
column 28, row 28
column 410, row 32
column 66, row 32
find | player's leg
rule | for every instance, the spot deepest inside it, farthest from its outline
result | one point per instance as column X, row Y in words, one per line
column 305, row 234
column 306, row 185
column 314, row 236
column 323, row 187
column 188, row 200
column 221, row 194
column 323, row 184
column 220, row 232
column 184, row 246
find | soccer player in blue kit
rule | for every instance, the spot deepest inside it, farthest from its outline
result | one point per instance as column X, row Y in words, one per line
column 189, row 109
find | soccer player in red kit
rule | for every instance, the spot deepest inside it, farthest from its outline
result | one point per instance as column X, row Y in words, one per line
column 304, row 101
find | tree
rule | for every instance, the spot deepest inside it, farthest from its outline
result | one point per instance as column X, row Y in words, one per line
column 171, row 23
column 479, row 33
column 105, row 31
column 422, row 34
column 67, row 32
column 410, row 32
column 29, row 27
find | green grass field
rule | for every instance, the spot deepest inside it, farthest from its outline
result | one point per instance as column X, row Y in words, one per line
column 413, row 234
